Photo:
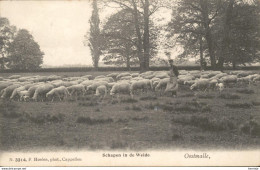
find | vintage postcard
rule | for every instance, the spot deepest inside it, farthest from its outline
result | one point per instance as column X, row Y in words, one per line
column 129, row 83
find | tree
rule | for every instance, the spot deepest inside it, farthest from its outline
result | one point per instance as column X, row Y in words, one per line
column 24, row 52
column 121, row 41
column 94, row 36
column 225, row 30
column 240, row 37
column 6, row 37
column 146, row 8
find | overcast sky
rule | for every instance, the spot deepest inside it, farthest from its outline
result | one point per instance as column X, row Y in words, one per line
column 58, row 26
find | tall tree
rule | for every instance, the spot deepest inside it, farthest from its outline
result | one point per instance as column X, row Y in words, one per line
column 146, row 8
column 7, row 33
column 24, row 52
column 121, row 41
column 94, row 36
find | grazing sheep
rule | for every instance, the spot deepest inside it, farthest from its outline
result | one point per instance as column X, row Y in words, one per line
column 7, row 92
column 101, row 91
column 189, row 82
column 201, row 84
column 121, row 88
column 41, row 91
column 95, row 84
column 14, row 77
column 162, row 84
column 32, row 89
column 126, row 78
column 229, row 79
column 218, row 76
column 143, row 85
column 257, row 78
column 24, row 95
column 58, row 92
column 101, row 76
column 77, row 89
column 3, row 85
column 107, row 79
column 135, row 75
column 213, row 83
column 161, row 75
column 90, row 77
column 183, row 78
column 16, row 91
column 122, row 75
column 220, row 87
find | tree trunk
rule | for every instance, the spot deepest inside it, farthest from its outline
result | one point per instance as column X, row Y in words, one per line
column 139, row 37
column 226, row 30
column 146, row 43
column 201, row 53
column 208, row 35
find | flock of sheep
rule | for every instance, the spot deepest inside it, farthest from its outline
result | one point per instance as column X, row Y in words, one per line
column 42, row 88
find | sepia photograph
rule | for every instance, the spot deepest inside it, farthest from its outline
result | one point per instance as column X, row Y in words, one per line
column 130, row 83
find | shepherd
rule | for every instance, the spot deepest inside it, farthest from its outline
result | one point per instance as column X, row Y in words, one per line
column 172, row 85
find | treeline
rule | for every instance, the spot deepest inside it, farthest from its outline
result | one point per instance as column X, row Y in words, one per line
column 111, row 69
column 18, row 50
column 218, row 32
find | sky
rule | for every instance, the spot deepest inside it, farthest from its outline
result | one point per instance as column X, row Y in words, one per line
column 57, row 26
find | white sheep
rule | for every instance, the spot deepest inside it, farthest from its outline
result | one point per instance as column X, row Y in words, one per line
column 95, row 84
column 122, row 75
column 143, row 85
column 7, row 92
column 201, row 84
column 162, row 84
column 14, row 77
column 121, row 88
column 220, row 87
column 41, row 91
column 229, row 79
column 161, row 75
column 24, row 95
column 101, row 91
column 77, row 89
column 58, row 92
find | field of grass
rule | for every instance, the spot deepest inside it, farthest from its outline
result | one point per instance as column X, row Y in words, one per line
column 193, row 120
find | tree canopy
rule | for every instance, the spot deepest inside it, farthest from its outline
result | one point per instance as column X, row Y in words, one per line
column 24, row 52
